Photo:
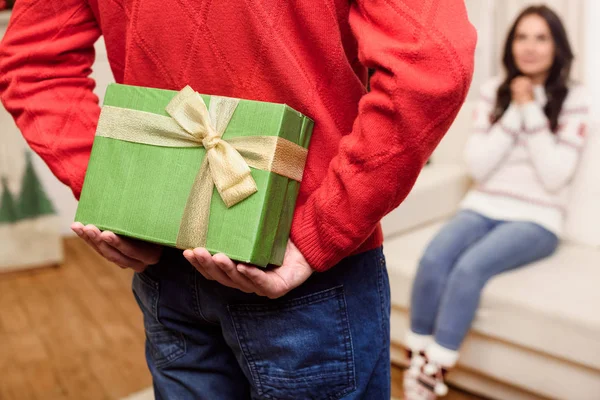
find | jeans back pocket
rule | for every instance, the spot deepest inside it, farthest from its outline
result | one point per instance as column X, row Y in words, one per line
column 163, row 344
column 299, row 348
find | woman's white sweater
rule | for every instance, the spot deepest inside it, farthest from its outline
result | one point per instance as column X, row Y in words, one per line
column 523, row 170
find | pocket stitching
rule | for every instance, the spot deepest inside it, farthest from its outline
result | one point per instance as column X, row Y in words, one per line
column 182, row 349
column 247, row 355
column 380, row 290
column 350, row 364
column 196, row 306
column 154, row 296
column 147, row 280
column 310, row 299
column 337, row 291
column 384, row 298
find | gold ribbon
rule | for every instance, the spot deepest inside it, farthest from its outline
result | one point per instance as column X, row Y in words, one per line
column 227, row 162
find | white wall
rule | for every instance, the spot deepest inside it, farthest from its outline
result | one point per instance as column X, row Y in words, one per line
column 493, row 18
column 480, row 12
column 592, row 52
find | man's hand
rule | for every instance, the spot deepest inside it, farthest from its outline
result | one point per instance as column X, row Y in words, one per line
column 272, row 283
column 126, row 253
column 521, row 90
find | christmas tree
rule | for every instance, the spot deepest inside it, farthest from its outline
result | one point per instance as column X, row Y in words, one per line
column 8, row 209
column 33, row 201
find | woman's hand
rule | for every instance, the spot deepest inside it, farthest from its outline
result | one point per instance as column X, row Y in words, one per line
column 269, row 283
column 126, row 253
column 522, row 90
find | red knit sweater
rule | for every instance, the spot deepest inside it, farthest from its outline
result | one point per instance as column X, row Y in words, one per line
column 367, row 149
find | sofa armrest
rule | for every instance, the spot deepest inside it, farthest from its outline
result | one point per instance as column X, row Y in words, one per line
column 436, row 194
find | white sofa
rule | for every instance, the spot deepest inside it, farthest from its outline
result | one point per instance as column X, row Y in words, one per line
column 537, row 332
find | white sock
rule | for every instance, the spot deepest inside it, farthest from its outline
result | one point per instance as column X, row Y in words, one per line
column 441, row 356
column 418, row 343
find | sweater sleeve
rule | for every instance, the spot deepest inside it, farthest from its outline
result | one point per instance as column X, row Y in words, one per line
column 489, row 144
column 423, row 62
column 554, row 156
column 45, row 59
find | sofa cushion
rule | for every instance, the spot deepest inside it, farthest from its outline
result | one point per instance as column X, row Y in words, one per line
column 436, row 194
column 498, row 369
column 550, row 306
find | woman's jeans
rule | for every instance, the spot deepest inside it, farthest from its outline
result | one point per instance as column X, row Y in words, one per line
column 457, row 264
column 327, row 339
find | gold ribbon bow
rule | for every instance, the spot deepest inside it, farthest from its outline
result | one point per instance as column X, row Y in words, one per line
column 227, row 162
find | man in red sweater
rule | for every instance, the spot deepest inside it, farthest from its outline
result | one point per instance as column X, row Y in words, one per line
column 234, row 331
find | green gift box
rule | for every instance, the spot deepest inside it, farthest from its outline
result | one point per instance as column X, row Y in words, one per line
column 146, row 190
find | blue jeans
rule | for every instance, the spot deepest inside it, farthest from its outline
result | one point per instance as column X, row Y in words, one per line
column 459, row 261
column 327, row 339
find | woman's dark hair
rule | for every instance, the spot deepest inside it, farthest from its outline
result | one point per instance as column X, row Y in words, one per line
column 558, row 78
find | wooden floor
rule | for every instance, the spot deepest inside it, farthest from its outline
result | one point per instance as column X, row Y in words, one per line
column 75, row 332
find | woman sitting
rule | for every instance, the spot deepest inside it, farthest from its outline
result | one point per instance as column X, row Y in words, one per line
column 528, row 135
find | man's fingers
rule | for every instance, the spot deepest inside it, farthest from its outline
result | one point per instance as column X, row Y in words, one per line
column 204, row 263
column 145, row 252
column 110, row 253
column 78, row 228
column 230, row 268
column 91, row 243
column 268, row 284
column 189, row 255
column 115, row 256
column 95, row 239
column 92, row 232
